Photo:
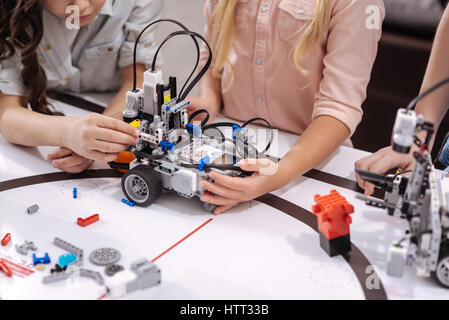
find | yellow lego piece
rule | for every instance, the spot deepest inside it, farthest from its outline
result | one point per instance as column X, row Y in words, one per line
column 167, row 98
column 135, row 123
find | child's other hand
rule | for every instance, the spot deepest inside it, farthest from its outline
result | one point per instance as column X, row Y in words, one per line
column 382, row 161
column 208, row 103
column 99, row 137
column 68, row 161
column 226, row 192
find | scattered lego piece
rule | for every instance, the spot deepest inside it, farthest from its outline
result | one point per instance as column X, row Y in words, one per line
column 22, row 249
column 56, row 277
column 58, row 269
column 32, row 209
column 113, row 269
column 6, row 239
column 96, row 276
column 333, row 215
column 75, row 193
column 129, row 203
column 85, row 222
column 143, row 275
column 4, row 267
column 104, row 256
column 117, row 285
column 79, row 253
column 25, row 247
column 148, row 275
column 17, row 269
column 30, row 245
column 44, row 260
column 40, row 267
column 66, row 259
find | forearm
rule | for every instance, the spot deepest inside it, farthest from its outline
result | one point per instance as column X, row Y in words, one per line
column 323, row 136
column 25, row 127
column 118, row 103
column 435, row 106
column 209, row 86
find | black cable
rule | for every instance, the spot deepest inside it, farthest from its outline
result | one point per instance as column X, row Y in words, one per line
column 269, row 126
column 223, row 167
column 402, row 173
column 218, row 124
column 203, row 70
column 119, row 165
column 137, row 42
column 140, row 154
column 198, row 112
column 415, row 101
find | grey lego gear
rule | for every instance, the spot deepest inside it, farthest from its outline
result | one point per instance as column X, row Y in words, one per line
column 96, row 276
column 104, row 256
column 113, row 269
column 32, row 209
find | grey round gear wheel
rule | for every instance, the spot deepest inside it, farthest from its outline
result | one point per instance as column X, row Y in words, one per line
column 112, row 269
column 104, row 256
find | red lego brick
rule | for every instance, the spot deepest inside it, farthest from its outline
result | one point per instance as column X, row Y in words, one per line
column 85, row 222
column 6, row 239
column 4, row 267
column 333, row 214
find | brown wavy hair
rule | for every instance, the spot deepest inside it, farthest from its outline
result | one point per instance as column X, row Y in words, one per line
column 21, row 29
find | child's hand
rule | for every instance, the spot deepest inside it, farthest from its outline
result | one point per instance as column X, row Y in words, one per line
column 382, row 161
column 227, row 191
column 208, row 103
column 99, row 137
column 68, row 161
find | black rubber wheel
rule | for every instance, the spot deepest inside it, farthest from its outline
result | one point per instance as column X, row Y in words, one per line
column 441, row 274
column 142, row 185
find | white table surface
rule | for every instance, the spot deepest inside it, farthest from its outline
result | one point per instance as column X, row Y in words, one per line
column 252, row 252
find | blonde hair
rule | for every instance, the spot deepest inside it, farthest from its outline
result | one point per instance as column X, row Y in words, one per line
column 224, row 13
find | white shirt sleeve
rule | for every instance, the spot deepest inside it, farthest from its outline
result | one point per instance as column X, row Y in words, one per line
column 143, row 13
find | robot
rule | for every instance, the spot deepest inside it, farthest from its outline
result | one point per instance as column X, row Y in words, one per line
column 173, row 153
column 421, row 199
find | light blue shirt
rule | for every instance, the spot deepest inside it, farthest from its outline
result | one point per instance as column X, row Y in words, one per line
column 95, row 59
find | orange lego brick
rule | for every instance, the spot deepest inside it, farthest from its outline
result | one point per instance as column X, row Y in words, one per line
column 4, row 267
column 85, row 222
column 125, row 157
column 333, row 214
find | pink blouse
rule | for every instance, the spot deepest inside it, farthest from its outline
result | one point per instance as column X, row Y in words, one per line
column 263, row 81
